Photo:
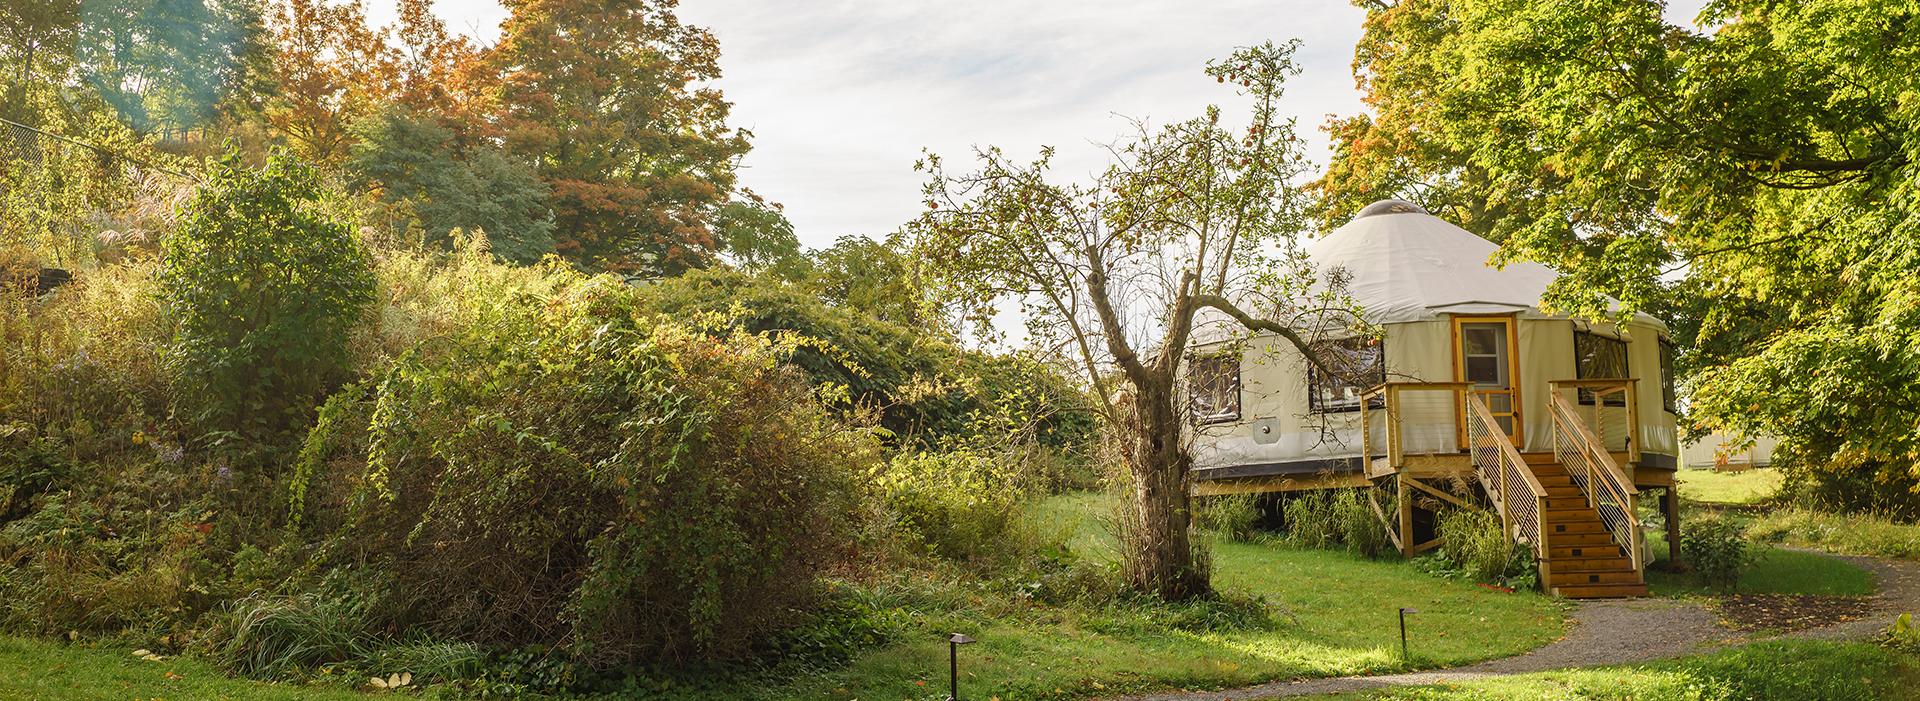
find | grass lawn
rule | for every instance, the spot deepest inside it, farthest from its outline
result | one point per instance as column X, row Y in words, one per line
column 1776, row 671
column 1711, row 487
column 1336, row 615
column 46, row 671
column 1777, row 571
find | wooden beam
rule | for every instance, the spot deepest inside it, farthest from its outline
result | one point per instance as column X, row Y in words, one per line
column 1406, row 519
column 1670, row 502
column 1374, row 501
column 1276, row 483
column 1443, row 495
column 1429, row 545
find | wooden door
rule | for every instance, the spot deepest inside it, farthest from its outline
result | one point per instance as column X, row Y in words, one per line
column 1486, row 352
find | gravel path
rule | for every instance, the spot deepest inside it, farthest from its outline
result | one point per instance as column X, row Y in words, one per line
column 1615, row 631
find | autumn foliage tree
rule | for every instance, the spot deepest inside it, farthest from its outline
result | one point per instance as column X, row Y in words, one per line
column 604, row 95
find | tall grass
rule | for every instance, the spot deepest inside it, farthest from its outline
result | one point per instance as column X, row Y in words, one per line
column 1859, row 534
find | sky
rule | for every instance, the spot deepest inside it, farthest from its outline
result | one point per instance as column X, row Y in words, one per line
column 843, row 96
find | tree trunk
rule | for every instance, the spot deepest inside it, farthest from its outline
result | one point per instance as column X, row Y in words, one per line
column 1162, row 560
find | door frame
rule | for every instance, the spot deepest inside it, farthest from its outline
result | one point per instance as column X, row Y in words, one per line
column 1512, row 320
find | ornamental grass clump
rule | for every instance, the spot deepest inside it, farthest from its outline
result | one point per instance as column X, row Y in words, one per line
column 587, row 476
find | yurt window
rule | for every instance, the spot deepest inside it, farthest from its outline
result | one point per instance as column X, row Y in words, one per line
column 1213, row 387
column 1667, row 395
column 1357, row 364
column 1597, row 357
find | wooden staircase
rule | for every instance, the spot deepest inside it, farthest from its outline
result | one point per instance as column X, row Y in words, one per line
column 1584, row 561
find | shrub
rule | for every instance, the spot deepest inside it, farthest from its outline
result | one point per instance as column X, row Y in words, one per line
column 266, row 291
column 1718, row 551
column 588, row 476
column 958, row 505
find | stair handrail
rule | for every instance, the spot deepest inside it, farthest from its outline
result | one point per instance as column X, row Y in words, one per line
column 1515, row 492
column 1594, row 471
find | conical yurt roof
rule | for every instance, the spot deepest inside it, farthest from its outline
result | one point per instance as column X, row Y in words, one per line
column 1407, row 265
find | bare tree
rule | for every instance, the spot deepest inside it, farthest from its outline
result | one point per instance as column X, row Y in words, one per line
column 1115, row 274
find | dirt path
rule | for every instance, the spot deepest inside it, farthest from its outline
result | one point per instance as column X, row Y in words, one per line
column 1616, row 632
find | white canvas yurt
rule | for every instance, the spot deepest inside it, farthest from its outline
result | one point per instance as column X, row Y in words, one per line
column 1454, row 327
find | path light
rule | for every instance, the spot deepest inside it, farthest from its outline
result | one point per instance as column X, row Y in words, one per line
column 953, row 664
column 1403, row 631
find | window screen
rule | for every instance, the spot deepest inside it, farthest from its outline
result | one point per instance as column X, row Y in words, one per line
column 1358, row 364
column 1213, row 387
column 1597, row 357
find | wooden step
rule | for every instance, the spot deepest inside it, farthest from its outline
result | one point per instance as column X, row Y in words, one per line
column 1551, row 481
column 1568, row 491
column 1572, row 515
column 1626, row 576
column 1597, row 539
column 1555, row 528
column 1591, row 564
column 1576, row 502
column 1558, row 551
column 1600, row 591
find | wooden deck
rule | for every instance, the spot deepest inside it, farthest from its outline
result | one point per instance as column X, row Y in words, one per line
column 1580, row 518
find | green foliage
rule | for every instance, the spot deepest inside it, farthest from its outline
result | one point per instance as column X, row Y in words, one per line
column 1326, row 518
column 925, row 391
column 1718, row 551
column 165, row 65
column 1476, row 542
column 415, row 163
column 595, row 478
column 266, row 293
column 1229, row 517
column 959, row 505
column 757, row 237
column 1770, row 162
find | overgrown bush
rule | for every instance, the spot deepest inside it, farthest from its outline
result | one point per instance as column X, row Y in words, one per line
column 589, row 476
column 266, row 291
column 1718, row 551
column 958, row 505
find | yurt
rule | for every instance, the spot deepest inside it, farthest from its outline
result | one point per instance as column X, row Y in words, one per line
column 1558, row 421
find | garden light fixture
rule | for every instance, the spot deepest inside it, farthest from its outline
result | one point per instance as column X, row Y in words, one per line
column 953, row 664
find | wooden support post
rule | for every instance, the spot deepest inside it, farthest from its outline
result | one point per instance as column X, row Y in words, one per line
column 1670, row 503
column 1406, row 517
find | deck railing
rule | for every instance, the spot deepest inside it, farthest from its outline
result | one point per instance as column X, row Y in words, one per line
column 1607, row 488
column 1388, row 439
column 1515, row 492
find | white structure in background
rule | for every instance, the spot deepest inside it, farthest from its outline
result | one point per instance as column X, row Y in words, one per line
column 1706, row 454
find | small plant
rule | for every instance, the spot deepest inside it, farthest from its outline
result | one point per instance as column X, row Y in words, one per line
column 1902, row 636
column 1720, row 553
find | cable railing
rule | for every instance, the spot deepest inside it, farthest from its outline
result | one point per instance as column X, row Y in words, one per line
column 1594, row 471
column 1410, row 408
column 1515, row 492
